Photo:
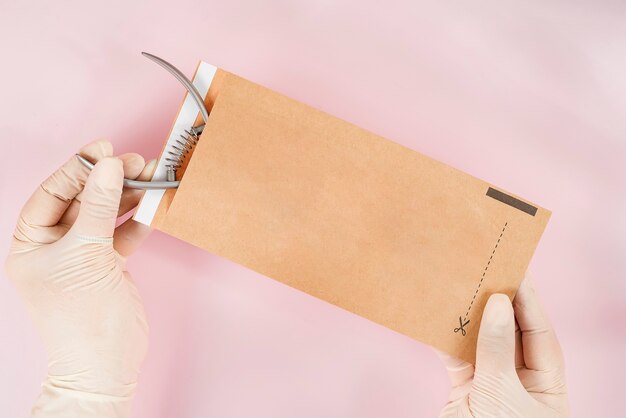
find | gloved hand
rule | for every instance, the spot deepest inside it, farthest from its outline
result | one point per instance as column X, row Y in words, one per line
column 67, row 261
column 519, row 371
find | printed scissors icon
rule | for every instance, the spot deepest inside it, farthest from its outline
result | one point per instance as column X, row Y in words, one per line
column 461, row 326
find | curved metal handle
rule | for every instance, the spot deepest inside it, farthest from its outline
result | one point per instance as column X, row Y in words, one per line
column 184, row 81
column 136, row 184
column 151, row 185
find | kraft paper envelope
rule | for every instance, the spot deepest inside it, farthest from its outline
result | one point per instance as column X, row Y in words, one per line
column 344, row 215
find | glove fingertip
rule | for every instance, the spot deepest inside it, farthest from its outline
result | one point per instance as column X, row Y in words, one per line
column 101, row 199
column 498, row 314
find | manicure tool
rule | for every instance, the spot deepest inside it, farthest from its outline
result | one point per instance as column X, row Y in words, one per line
column 184, row 146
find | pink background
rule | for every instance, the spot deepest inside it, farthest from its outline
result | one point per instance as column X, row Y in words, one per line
column 530, row 96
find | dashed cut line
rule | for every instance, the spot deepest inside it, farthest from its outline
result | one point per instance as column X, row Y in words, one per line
column 482, row 278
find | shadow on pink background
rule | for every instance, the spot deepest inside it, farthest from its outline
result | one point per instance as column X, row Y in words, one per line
column 530, row 98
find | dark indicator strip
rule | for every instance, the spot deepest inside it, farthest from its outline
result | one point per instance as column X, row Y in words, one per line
column 511, row 201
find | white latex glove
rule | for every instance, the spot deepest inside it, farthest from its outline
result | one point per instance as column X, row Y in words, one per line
column 67, row 261
column 519, row 371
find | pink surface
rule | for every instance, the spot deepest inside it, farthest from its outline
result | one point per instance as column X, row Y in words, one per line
column 531, row 98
